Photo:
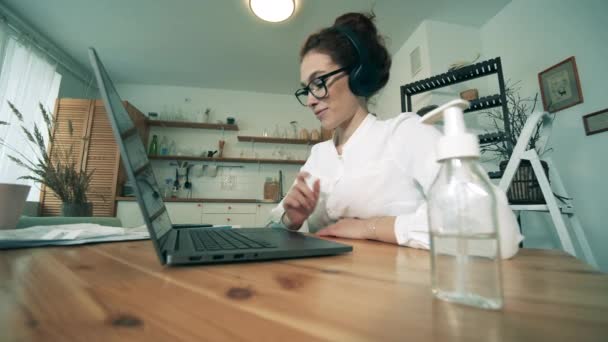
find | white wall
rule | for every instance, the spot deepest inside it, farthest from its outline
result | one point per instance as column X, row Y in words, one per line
column 75, row 88
column 254, row 112
column 440, row 44
column 531, row 36
column 388, row 102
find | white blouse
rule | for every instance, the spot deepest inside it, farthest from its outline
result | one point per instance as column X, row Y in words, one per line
column 385, row 169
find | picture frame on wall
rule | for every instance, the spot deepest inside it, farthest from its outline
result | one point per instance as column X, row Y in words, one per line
column 560, row 87
column 596, row 122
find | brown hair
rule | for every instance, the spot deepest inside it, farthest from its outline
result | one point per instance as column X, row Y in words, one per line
column 333, row 43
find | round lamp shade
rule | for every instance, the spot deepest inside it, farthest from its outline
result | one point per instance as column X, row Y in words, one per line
column 272, row 10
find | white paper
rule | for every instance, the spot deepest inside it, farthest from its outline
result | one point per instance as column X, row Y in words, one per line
column 68, row 234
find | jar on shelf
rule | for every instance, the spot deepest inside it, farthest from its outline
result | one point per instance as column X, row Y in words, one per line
column 271, row 189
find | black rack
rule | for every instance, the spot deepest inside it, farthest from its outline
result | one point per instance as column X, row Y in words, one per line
column 467, row 73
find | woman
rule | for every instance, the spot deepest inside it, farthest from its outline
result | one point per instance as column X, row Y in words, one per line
column 370, row 181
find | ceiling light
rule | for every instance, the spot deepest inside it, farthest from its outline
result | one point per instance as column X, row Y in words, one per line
column 272, row 10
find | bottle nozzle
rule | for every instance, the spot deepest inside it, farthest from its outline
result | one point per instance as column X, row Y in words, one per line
column 456, row 142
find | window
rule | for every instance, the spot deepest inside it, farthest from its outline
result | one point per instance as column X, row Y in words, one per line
column 27, row 78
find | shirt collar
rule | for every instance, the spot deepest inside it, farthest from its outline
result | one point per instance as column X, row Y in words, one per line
column 359, row 133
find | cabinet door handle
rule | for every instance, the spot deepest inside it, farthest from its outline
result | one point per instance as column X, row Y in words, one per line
column 228, row 219
column 229, row 207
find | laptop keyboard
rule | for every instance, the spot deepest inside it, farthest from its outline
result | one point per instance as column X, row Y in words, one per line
column 224, row 239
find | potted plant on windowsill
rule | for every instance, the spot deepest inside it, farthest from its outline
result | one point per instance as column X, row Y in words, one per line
column 524, row 188
column 56, row 168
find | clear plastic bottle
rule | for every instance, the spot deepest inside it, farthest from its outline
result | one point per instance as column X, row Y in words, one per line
column 164, row 146
column 465, row 249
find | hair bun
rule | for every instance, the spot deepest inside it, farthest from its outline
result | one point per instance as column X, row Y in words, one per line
column 342, row 52
column 361, row 23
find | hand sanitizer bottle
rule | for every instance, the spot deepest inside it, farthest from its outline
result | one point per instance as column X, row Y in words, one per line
column 465, row 249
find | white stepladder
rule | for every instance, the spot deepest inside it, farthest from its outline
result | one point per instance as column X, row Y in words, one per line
column 556, row 211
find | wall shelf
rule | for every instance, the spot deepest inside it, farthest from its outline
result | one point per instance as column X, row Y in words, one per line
column 277, row 140
column 184, row 124
column 230, row 160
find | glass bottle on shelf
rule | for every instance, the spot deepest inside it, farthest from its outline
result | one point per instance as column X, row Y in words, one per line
column 172, row 148
column 276, row 133
column 153, row 150
column 294, row 127
column 180, row 114
column 164, row 114
column 207, row 115
column 167, row 191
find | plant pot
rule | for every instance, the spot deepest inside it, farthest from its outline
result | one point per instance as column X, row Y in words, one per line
column 12, row 200
column 524, row 187
column 77, row 209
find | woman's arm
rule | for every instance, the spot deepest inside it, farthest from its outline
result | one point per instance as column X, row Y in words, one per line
column 375, row 228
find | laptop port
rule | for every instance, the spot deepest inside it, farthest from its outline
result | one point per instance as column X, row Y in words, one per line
column 218, row 257
column 239, row 256
column 195, row 258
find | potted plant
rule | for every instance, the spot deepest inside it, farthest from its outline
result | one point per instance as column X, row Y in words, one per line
column 56, row 168
column 524, row 188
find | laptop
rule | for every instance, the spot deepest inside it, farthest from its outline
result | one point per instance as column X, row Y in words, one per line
column 191, row 244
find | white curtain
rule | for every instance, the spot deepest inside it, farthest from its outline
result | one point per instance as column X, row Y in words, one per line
column 27, row 78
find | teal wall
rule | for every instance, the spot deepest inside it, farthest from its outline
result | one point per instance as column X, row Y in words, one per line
column 531, row 36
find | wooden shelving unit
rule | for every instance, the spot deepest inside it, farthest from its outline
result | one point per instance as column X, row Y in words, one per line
column 185, row 124
column 245, row 138
column 230, row 160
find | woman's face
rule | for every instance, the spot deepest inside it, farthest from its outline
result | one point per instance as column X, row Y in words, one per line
column 340, row 104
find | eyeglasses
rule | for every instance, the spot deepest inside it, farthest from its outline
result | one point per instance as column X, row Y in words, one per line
column 317, row 87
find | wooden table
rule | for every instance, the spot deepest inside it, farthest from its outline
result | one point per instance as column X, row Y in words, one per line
column 380, row 292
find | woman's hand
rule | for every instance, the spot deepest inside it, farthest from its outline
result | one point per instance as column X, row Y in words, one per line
column 350, row 228
column 301, row 201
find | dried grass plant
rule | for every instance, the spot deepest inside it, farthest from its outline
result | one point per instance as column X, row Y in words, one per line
column 58, row 169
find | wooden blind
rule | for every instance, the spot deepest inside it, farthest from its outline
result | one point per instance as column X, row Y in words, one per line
column 101, row 157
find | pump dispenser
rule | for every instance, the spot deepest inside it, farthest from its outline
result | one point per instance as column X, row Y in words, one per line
column 465, row 249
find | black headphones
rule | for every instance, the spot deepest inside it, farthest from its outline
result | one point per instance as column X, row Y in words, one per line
column 364, row 77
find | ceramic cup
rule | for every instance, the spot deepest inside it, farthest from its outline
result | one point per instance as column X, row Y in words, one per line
column 12, row 201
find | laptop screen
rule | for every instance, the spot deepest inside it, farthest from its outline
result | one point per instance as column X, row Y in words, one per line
column 133, row 154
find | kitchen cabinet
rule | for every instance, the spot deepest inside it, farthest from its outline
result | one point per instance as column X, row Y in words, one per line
column 185, row 212
column 243, row 214
column 262, row 213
